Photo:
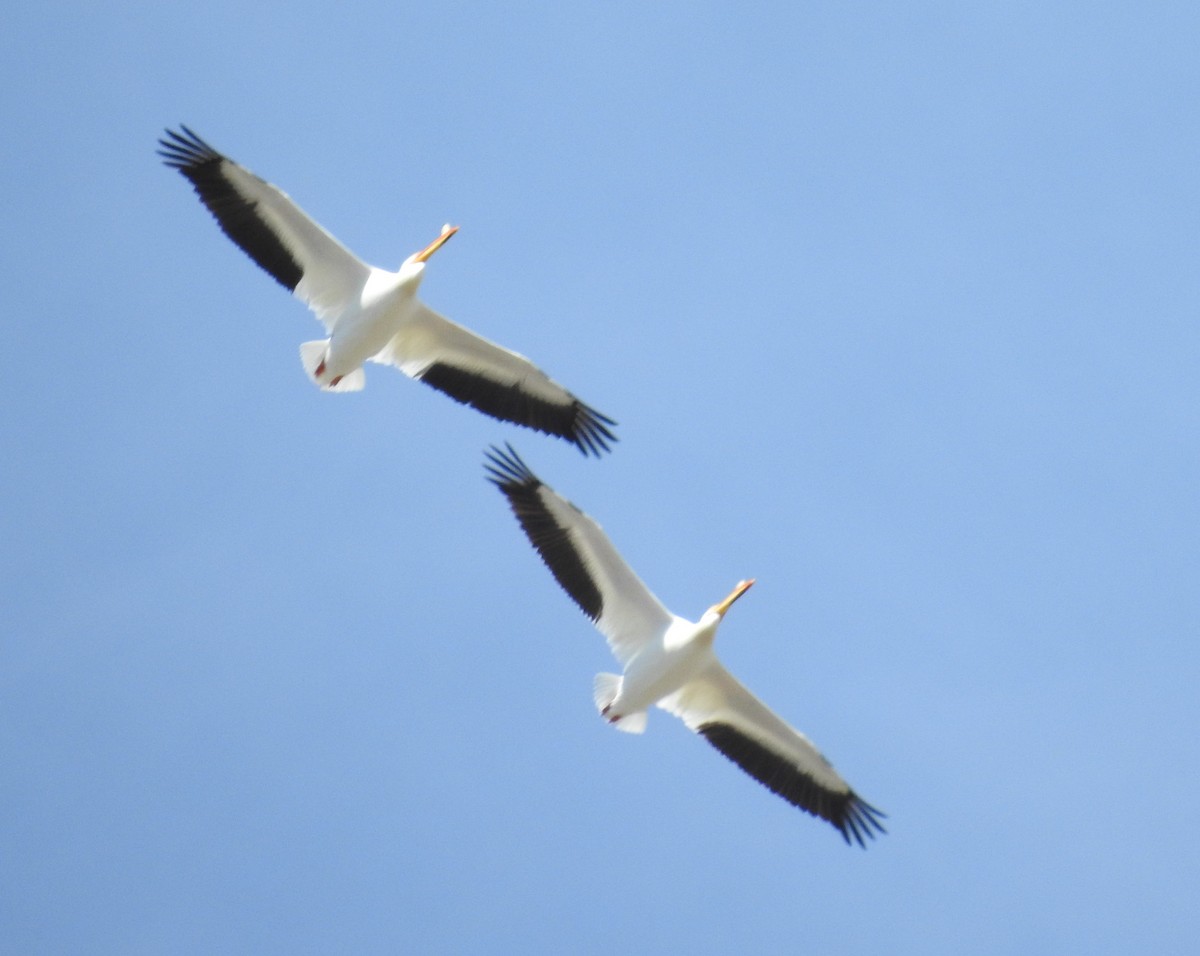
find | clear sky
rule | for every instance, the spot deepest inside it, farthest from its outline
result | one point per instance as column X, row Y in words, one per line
column 897, row 310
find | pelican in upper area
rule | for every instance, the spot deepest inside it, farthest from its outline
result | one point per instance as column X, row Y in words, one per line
column 669, row 661
column 373, row 314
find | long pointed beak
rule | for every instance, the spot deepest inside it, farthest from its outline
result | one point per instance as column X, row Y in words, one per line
column 447, row 231
column 742, row 588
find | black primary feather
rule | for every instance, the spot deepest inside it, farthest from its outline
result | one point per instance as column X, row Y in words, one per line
column 522, row 488
column 574, row 421
column 852, row 815
column 237, row 216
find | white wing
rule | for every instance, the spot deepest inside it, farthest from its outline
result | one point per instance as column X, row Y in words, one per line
column 492, row 379
column 264, row 222
column 582, row 559
column 719, row 708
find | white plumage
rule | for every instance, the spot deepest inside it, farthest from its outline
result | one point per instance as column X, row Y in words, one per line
column 669, row 662
column 373, row 314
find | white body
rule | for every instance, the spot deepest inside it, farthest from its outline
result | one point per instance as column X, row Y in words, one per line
column 363, row 329
column 662, row 666
column 669, row 662
column 389, row 300
column 372, row 314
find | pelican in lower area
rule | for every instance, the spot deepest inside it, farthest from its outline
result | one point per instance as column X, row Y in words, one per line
column 373, row 314
column 669, row 661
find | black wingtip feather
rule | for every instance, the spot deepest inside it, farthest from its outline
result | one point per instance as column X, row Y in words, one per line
column 183, row 150
column 853, row 817
column 574, row 421
column 507, row 471
column 552, row 541
column 203, row 167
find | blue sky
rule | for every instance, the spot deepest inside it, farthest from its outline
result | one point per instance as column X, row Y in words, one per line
column 897, row 310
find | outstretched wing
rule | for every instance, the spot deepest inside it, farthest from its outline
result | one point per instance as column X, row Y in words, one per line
column 494, row 380
column 270, row 228
column 581, row 558
column 719, row 708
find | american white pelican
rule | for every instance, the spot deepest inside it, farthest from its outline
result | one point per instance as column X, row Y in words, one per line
column 669, row 661
column 373, row 314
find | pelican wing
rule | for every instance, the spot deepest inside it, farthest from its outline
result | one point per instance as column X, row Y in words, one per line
column 270, row 228
column 719, row 708
column 581, row 558
column 493, row 380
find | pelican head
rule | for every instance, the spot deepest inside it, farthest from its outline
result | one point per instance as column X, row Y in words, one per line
column 720, row 609
column 423, row 256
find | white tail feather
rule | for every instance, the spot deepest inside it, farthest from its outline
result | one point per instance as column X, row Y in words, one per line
column 604, row 691
column 312, row 354
column 350, row 382
column 631, row 723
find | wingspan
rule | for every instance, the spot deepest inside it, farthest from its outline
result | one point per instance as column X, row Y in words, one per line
column 271, row 229
column 581, row 558
column 493, row 380
column 719, row 708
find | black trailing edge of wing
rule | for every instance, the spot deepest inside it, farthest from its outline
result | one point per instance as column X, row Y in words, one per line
column 853, row 816
column 578, row 423
column 235, row 214
column 522, row 488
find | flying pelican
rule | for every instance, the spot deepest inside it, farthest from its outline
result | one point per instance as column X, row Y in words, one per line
column 373, row 314
column 669, row 661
